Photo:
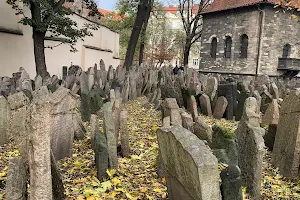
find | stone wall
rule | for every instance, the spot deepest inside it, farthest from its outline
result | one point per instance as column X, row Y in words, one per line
column 230, row 23
column 279, row 28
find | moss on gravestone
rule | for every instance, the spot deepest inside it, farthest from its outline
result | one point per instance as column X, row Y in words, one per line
column 222, row 131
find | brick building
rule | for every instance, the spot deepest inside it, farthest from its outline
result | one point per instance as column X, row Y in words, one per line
column 250, row 37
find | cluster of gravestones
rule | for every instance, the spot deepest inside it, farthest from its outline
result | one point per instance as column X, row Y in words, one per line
column 183, row 134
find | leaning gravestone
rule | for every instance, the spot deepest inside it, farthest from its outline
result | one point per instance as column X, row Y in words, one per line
column 110, row 132
column 286, row 149
column 205, row 105
column 191, row 168
column 211, row 87
column 229, row 91
column 172, row 109
column 5, row 114
column 202, row 130
column 251, row 148
column 187, row 121
column 220, row 107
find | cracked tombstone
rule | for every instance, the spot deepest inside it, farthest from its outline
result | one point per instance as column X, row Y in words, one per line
column 251, row 148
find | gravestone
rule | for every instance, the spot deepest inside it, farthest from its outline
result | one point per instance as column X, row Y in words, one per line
column 187, row 121
column 229, row 91
column 286, row 146
column 251, row 148
column 101, row 155
column 191, row 168
column 94, row 127
column 5, row 114
column 194, row 109
column 16, row 184
column 242, row 96
column 172, row 109
column 110, row 132
column 202, row 130
column 85, row 106
column 271, row 115
column 40, row 148
column 257, row 96
column 167, row 121
column 220, row 107
column 231, row 186
column 125, row 148
column 211, row 87
column 274, row 91
column 65, row 108
column 205, row 105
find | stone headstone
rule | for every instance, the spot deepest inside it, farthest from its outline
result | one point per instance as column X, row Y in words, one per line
column 205, row 105
column 251, row 148
column 167, row 121
column 231, row 186
column 220, row 107
column 16, row 184
column 125, row 148
column 202, row 130
column 274, row 91
column 187, row 121
column 110, row 132
column 101, row 155
column 229, row 91
column 5, row 114
column 191, row 168
column 38, row 82
column 193, row 107
column 257, row 96
column 171, row 109
column 286, row 146
column 211, row 87
column 271, row 115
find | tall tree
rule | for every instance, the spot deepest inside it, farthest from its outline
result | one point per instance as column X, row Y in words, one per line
column 141, row 17
column 190, row 12
column 51, row 16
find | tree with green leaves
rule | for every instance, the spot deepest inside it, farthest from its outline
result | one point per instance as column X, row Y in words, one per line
column 52, row 16
column 190, row 12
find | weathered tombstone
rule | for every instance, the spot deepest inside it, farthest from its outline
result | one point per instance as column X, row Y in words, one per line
column 110, row 132
column 16, row 184
column 85, row 106
column 211, row 87
column 58, row 189
column 194, row 109
column 220, row 107
column 40, row 146
column 38, row 82
column 172, row 109
column 64, row 72
column 242, row 96
column 271, row 115
column 94, row 127
column 286, row 146
column 205, row 105
column 274, row 91
column 20, row 115
column 5, row 114
column 125, row 149
column 229, row 91
column 231, row 187
column 79, row 129
column 167, row 122
column 64, row 111
column 191, row 168
column 257, row 96
column 251, row 148
column 202, row 130
column 187, row 121
column 101, row 155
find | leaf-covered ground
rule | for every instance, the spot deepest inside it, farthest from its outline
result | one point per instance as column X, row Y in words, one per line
column 136, row 176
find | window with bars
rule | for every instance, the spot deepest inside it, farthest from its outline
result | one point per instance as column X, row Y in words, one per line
column 286, row 51
column 244, row 46
column 227, row 48
column 213, row 48
column 195, row 62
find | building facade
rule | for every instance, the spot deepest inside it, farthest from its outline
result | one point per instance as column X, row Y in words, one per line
column 16, row 46
column 249, row 38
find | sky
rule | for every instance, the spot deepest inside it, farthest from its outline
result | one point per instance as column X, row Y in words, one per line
column 110, row 4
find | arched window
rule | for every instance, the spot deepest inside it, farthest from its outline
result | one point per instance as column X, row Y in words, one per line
column 286, row 51
column 213, row 48
column 244, row 46
column 227, row 49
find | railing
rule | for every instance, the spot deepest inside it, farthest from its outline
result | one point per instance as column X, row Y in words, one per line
column 289, row 64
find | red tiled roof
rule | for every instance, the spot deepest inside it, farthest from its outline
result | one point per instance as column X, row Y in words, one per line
column 105, row 13
column 219, row 5
column 173, row 9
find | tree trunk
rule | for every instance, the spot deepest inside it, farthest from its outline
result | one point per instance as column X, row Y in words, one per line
column 39, row 52
column 139, row 20
column 143, row 33
column 186, row 53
